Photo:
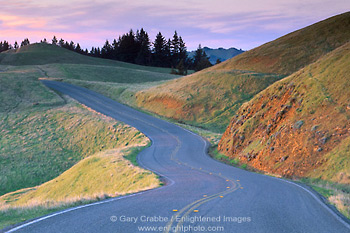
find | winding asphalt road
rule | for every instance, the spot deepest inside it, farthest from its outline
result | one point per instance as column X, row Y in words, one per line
column 201, row 195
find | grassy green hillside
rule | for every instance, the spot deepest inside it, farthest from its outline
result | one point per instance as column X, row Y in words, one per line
column 210, row 97
column 38, row 128
column 42, row 53
column 103, row 73
column 45, row 136
column 299, row 126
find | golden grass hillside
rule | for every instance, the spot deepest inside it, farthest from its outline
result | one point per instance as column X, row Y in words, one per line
column 209, row 98
column 299, row 126
column 105, row 174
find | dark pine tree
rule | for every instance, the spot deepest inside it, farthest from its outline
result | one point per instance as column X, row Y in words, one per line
column 106, row 51
column 186, row 62
column 15, row 45
column 61, row 43
column 159, row 51
column 115, row 49
column 54, row 40
column 71, row 46
column 168, row 54
column 143, row 44
column 66, row 45
column 128, row 48
column 78, row 49
column 6, row 45
column 175, row 50
column 182, row 49
column 92, row 52
column 201, row 60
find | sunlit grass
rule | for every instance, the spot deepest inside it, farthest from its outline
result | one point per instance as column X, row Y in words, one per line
column 205, row 99
column 106, row 174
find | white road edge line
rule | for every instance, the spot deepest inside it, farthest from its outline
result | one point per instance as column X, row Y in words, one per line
column 347, row 225
column 93, row 204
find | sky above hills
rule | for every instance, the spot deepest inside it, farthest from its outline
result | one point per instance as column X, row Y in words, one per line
column 219, row 23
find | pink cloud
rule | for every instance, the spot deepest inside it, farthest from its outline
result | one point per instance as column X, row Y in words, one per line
column 247, row 23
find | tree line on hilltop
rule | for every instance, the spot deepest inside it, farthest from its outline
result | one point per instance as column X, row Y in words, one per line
column 137, row 48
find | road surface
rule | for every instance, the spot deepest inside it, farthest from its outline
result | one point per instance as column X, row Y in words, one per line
column 200, row 195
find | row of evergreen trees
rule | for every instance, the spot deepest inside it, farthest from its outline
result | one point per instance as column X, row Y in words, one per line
column 137, row 48
column 7, row 46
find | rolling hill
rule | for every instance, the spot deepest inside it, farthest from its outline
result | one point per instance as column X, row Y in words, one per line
column 299, row 126
column 210, row 97
column 43, row 53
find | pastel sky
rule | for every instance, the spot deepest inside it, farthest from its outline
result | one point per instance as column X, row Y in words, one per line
column 215, row 23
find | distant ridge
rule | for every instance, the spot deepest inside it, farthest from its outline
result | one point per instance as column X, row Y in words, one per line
column 220, row 53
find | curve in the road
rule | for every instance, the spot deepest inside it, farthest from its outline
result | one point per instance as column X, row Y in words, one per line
column 202, row 194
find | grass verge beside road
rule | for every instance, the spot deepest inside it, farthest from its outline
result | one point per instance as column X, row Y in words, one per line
column 48, row 143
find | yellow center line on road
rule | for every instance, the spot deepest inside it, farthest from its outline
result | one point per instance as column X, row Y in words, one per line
column 195, row 206
column 192, row 206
